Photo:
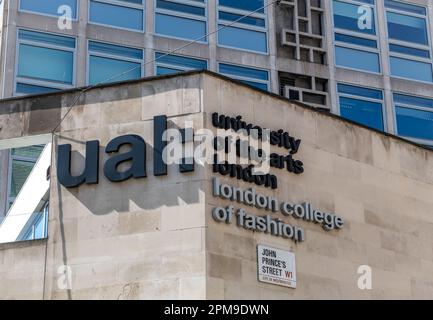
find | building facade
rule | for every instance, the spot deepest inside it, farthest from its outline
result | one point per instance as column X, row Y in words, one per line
column 366, row 60
column 339, row 203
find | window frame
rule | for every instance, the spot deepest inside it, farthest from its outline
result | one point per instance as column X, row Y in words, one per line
column 243, row 26
column 240, row 78
column 400, row 55
column 37, row 82
column 157, row 64
column 336, row 43
column 183, row 16
column 362, row 98
column 78, row 4
column 413, row 107
column 110, row 56
column 119, row 3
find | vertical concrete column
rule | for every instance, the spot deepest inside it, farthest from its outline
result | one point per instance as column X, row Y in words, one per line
column 149, row 55
column 9, row 41
column 329, row 36
column 384, row 62
column 212, row 25
column 81, row 51
column 272, row 46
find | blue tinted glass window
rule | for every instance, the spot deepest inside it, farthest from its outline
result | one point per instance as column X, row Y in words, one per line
column 50, row 7
column 46, row 38
column 246, row 75
column 161, row 4
column 405, row 7
column 184, row 63
column 365, row 112
column 180, row 27
column 23, row 88
column 243, row 71
column 359, row 91
column 409, row 51
column 346, row 16
column 164, row 70
column 247, row 5
column 45, row 58
column 356, row 40
column 107, row 63
column 181, row 20
column 117, row 16
column 116, row 50
column 411, row 69
column 103, row 69
column 247, row 20
column 45, row 64
column 407, row 28
column 248, row 33
column 357, row 59
column 411, row 100
column 414, row 123
column 243, row 38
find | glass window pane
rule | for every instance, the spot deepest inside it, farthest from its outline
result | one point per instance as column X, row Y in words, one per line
column 346, row 16
column 247, row 5
column 167, row 5
column 180, row 27
column 411, row 69
column 45, row 64
column 359, row 91
column 262, row 86
column 243, row 39
column 407, row 28
column 49, row 7
column 102, row 69
column 164, row 70
column 24, row 88
column 237, row 17
column 357, row 59
column 32, row 152
column 243, row 72
column 116, row 50
column 364, row 112
column 184, row 62
column 409, row 51
column 414, row 123
column 411, row 100
column 117, row 16
column 405, row 7
column 355, row 40
column 46, row 38
column 20, row 172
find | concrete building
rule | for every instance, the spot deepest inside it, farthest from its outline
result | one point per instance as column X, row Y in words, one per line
column 358, row 213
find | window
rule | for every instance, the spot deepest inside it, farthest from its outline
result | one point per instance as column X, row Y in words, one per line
column 126, row 14
column 45, row 62
column 37, row 226
column 249, row 33
column 167, row 64
column 48, row 7
column 361, row 105
column 356, row 46
column 253, row 77
column 410, row 53
column 108, row 60
column 21, row 164
column 414, row 117
column 181, row 19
